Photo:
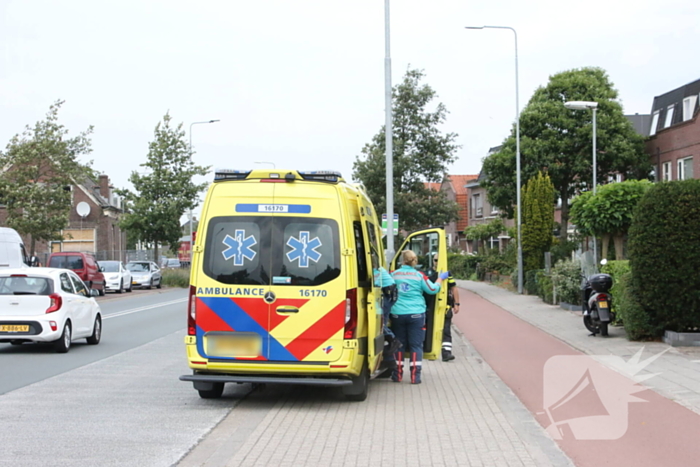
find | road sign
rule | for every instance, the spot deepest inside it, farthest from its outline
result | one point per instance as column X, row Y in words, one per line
column 396, row 224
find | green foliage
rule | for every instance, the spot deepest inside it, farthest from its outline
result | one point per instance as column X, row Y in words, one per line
column 637, row 321
column 566, row 277
column 176, row 277
column 40, row 166
column 664, row 255
column 538, row 220
column 610, row 210
column 166, row 192
column 561, row 249
column 421, row 153
column 559, row 140
column 494, row 261
column 544, row 287
column 462, row 266
column 616, row 269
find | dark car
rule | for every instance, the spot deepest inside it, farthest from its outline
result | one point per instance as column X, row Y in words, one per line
column 83, row 264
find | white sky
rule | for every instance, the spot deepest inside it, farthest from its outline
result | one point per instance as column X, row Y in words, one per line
column 301, row 83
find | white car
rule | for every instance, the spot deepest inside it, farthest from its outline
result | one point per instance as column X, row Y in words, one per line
column 47, row 305
column 117, row 277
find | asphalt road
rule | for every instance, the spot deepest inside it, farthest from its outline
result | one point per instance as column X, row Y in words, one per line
column 129, row 320
column 118, row 403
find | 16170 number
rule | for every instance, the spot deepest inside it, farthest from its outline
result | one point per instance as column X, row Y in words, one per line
column 313, row 293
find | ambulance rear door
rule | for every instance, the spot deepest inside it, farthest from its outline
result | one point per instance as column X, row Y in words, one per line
column 427, row 245
column 307, row 293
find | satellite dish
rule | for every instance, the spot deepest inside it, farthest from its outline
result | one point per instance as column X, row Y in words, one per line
column 83, row 209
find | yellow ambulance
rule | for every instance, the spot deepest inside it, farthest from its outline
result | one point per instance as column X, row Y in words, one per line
column 282, row 285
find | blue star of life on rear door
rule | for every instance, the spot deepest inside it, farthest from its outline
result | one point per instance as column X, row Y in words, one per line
column 304, row 249
column 239, row 247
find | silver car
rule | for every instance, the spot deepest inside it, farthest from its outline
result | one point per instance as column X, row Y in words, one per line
column 145, row 274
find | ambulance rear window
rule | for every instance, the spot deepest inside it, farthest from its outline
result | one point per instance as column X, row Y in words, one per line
column 269, row 250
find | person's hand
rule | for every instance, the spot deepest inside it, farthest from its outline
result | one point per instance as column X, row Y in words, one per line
column 443, row 275
column 455, row 308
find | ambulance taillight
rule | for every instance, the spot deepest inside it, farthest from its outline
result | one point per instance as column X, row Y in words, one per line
column 192, row 313
column 351, row 314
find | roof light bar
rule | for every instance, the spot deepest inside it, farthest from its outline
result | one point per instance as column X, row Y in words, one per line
column 321, row 175
column 230, row 174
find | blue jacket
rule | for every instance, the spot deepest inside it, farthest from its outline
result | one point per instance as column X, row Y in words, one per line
column 412, row 284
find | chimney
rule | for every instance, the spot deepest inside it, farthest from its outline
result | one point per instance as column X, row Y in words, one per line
column 104, row 186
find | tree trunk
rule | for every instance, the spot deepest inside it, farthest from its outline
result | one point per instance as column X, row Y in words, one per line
column 606, row 242
column 155, row 253
column 619, row 240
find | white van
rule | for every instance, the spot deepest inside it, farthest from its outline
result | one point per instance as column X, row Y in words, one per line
column 12, row 253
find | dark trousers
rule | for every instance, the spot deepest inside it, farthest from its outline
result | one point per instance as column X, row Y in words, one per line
column 387, row 303
column 410, row 330
column 447, row 332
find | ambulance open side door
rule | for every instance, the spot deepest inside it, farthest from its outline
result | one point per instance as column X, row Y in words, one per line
column 427, row 245
column 375, row 328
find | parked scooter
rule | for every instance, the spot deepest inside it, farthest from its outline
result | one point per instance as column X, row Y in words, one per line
column 597, row 302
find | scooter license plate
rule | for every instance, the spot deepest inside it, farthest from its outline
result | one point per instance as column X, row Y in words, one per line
column 602, row 304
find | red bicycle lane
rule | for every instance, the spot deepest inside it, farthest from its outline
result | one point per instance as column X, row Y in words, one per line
column 598, row 422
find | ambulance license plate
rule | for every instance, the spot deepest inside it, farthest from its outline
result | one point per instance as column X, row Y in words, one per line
column 602, row 304
column 249, row 345
column 14, row 328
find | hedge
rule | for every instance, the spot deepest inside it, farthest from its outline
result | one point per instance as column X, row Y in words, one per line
column 616, row 269
column 664, row 249
column 636, row 320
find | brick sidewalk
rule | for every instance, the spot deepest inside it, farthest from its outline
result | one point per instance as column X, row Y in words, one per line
column 678, row 369
column 462, row 414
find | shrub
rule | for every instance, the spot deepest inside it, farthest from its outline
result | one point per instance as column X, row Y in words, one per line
column 462, row 266
column 561, row 249
column 616, row 269
column 544, row 286
column 530, row 282
column 566, row 277
column 494, row 261
column 176, row 277
column 665, row 257
column 637, row 323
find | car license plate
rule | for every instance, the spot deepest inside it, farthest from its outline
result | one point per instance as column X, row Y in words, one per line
column 14, row 328
column 603, row 304
column 249, row 345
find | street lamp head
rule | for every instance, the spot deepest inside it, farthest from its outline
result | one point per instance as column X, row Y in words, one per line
column 212, row 121
column 580, row 105
column 473, row 27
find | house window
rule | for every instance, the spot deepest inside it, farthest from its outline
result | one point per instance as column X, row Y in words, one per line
column 478, row 206
column 669, row 116
column 654, row 123
column 689, row 107
column 685, row 168
column 666, row 172
column 614, row 178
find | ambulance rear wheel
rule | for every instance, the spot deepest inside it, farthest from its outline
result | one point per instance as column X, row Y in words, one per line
column 357, row 391
column 214, row 393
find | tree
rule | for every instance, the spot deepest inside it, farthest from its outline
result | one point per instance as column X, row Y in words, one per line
column 537, row 220
column 421, row 153
column 559, row 140
column 608, row 213
column 166, row 191
column 482, row 232
column 39, row 167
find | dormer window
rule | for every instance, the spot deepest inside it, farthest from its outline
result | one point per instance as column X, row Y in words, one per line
column 669, row 116
column 689, row 107
column 654, row 123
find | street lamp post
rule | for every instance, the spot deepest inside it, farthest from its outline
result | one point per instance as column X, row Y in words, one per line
column 389, row 135
column 191, row 218
column 517, row 154
column 583, row 105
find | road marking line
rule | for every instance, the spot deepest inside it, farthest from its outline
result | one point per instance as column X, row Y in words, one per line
column 144, row 308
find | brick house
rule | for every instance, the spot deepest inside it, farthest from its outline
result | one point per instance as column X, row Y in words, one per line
column 455, row 188
column 98, row 231
column 674, row 142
